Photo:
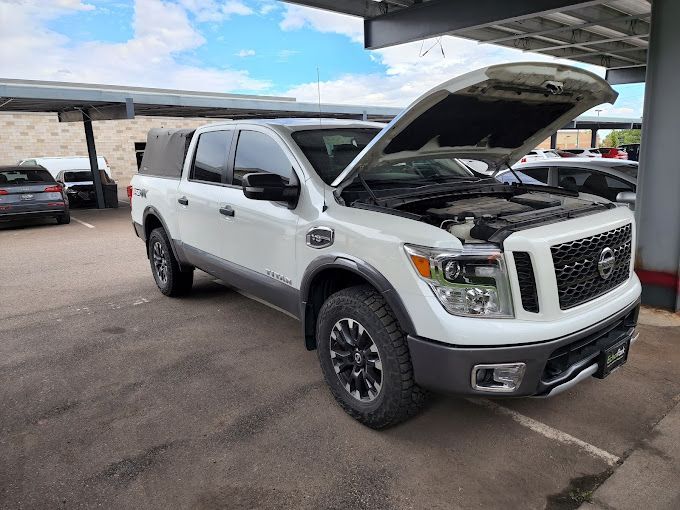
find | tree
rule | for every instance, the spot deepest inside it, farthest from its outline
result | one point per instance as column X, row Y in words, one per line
column 621, row 136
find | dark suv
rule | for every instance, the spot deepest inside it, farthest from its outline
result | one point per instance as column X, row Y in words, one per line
column 30, row 192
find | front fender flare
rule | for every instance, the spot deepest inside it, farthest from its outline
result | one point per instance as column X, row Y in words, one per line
column 360, row 268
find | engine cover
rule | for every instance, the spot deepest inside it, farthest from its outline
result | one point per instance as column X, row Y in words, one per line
column 478, row 207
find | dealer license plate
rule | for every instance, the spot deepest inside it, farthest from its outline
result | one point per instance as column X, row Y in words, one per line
column 613, row 357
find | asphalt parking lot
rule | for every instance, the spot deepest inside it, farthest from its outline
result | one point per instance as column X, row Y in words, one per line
column 115, row 396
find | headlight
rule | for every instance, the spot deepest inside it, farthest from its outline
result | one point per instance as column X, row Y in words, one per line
column 471, row 282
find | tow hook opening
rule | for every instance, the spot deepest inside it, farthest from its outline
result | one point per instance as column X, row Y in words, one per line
column 498, row 377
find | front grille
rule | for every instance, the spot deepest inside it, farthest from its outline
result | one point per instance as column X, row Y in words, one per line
column 526, row 280
column 578, row 278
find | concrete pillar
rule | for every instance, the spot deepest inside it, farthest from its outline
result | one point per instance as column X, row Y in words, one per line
column 553, row 141
column 593, row 137
column 658, row 206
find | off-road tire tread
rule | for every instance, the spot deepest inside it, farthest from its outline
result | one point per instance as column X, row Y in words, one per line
column 400, row 403
column 179, row 282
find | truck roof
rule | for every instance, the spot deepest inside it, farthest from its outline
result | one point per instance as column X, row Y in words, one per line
column 295, row 123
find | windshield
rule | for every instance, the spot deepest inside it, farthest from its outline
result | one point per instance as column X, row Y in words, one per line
column 24, row 176
column 78, row 176
column 331, row 150
column 418, row 172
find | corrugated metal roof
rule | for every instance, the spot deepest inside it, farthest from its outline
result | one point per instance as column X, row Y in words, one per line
column 612, row 34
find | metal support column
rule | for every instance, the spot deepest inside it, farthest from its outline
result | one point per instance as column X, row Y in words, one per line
column 593, row 137
column 553, row 141
column 92, row 154
column 658, row 208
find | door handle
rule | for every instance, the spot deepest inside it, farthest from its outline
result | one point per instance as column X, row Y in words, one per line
column 227, row 210
column 183, row 200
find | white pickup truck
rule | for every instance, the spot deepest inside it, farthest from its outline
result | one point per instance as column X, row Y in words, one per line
column 409, row 271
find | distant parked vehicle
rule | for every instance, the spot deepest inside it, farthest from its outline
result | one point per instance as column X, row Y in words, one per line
column 540, row 154
column 585, row 153
column 56, row 164
column 612, row 153
column 565, row 154
column 79, row 186
column 632, row 149
column 31, row 193
column 612, row 179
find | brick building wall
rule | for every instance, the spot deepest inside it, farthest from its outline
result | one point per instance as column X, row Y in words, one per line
column 25, row 135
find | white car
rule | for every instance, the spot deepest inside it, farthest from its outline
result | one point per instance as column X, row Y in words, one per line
column 585, row 153
column 408, row 271
column 57, row 164
column 537, row 154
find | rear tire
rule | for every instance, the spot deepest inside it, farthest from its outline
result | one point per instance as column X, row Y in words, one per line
column 64, row 219
column 371, row 377
column 169, row 277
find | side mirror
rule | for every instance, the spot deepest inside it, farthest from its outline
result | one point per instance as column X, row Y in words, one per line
column 272, row 187
column 626, row 197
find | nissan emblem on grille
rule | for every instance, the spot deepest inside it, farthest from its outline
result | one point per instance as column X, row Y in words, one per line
column 320, row 237
column 605, row 264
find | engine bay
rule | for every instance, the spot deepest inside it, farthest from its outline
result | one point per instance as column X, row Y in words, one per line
column 489, row 215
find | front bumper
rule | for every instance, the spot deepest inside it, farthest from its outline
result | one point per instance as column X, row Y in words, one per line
column 551, row 366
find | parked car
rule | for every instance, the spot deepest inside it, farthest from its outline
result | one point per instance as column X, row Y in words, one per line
column 56, row 164
column 612, row 153
column 584, row 153
column 408, row 271
column 565, row 154
column 612, row 179
column 31, row 192
column 633, row 151
column 79, row 186
column 541, row 154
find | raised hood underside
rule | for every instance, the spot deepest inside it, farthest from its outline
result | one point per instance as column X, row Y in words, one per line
column 496, row 115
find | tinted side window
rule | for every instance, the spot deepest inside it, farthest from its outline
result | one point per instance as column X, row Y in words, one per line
column 540, row 173
column 257, row 152
column 210, row 163
column 587, row 181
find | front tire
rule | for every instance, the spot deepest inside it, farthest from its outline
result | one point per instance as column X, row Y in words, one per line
column 170, row 279
column 365, row 359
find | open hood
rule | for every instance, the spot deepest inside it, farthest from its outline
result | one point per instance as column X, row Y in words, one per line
column 496, row 114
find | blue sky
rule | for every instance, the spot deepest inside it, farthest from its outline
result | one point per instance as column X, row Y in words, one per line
column 246, row 46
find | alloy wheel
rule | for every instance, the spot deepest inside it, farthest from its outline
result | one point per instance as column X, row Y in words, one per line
column 356, row 360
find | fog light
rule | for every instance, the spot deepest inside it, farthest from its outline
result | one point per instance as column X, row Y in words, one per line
column 502, row 377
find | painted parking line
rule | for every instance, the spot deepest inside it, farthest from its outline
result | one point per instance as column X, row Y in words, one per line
column 547, row 431
column 82, row 222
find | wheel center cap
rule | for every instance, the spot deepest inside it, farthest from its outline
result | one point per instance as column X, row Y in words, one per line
column 358, row 358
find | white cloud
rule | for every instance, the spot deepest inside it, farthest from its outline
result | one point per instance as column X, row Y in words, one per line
column 245, row 53
column 296, row 17
column 216, row 11
column 162, row 31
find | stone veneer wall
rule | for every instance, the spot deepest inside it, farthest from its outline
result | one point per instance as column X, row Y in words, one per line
column 25, row 135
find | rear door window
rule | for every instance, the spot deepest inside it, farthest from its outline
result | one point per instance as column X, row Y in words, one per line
column 210, row 162
column 591, row 181
column 257, row 152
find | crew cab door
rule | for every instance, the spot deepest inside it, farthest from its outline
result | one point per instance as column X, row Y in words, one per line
column 202, row 190
column 260, row 236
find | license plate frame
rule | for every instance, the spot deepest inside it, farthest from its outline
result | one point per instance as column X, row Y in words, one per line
column 613, row 357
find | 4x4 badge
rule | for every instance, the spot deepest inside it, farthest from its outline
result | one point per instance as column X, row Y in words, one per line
column 320, row 237
column 605, row 264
